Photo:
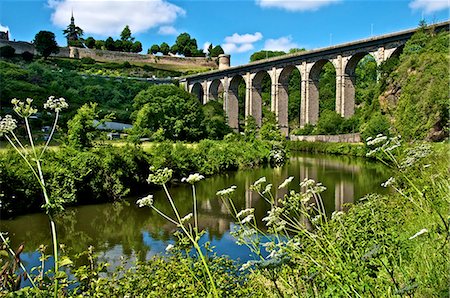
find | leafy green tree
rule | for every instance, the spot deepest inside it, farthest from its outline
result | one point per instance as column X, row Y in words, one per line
column 164, row 48
column 81, row 127
column 73, row 34
column 90, row 42
column 109, row 44
column 100, row 44
column 296, row 50
column 154, row 49
column 137, row 47
column 174, row 49
column 216, row 51
column 250, row 128
column 187, row 46
column 171, row 108
column 45, row 43
column 269, row 128
column 118, row 45
column 265, row 54
column 329, row 123
column 125, row 35
column 215, row 121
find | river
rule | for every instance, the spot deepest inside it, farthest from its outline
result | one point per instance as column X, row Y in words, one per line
column 123, row 229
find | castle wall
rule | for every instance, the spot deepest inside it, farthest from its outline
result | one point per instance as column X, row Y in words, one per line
column 112, row 56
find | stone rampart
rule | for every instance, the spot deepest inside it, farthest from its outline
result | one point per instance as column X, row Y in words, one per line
column 19, row 46
column 112, row 56
column 344, row 138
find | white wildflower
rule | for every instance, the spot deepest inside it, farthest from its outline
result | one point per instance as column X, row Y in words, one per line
column 56, row 104
column 336, row 215
column 245, row 212
column 259, row 181
column 23, row 109
column 388, row 182
column 315, row 219
column 286, row 182
column 187, row 218
column 7, row 124
column 307, row 183
column 378, row 139
column 246, row 265
column 418, row 234
column 247, row 219
column 145, row 201
column 169, row 247
column 267, row 189
column 227, row 191
column 193, row 178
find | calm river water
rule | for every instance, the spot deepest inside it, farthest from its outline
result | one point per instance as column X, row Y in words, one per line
column 123, row 229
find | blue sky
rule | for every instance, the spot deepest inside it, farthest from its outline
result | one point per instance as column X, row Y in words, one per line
column 240, row 26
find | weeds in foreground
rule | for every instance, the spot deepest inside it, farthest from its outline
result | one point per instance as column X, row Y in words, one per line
column 33, row 159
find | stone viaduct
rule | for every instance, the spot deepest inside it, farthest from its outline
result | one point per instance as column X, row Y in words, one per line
column 344, row 57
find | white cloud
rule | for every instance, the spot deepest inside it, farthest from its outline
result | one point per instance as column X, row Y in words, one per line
column 206, row 46
column 429, row 6
column 109, row 17
column 4, row 28
column 295, row 5
column 167, row 30
column 283, row 43
column 238, row 43
column 230, row 48
column 244, row 38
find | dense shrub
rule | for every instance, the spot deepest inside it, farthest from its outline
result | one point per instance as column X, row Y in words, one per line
column 27, row 56
column 7, row 51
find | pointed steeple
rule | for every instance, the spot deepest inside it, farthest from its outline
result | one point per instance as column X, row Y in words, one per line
column 72, row 19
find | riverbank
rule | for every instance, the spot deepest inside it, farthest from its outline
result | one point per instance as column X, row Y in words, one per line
column 389, row 245
column 108, row 173
column 352, row 149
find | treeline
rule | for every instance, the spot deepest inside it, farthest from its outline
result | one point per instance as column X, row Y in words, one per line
column 126, row 43
column 186, row 46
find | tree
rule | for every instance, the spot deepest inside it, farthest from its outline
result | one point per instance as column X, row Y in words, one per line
column 118, row 45
column 90, row 42
column 216, row 51
column 109, row 44
column 174, row 49
column 164, row 48
column 154, row 49
column 45, row 43
column 81, row 127
column 100, row 44
column 73, row 34
column 171, row 108
column 126, row 34
column 265, row 54
column 187, row 46
column 137, row 47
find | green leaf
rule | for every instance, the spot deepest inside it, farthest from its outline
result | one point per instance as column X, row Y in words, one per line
column 65, row 261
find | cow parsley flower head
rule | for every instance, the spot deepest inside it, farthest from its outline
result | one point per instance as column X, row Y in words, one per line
column 145, row 201
column 286, row 182
column 191, row 179
column 160, row 177
column 245, row 212
column 227, row 191
column 187, row 218
column 56, row 104
column 23, row 109
column 7, row 124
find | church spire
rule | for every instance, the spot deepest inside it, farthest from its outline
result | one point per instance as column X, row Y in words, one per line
column 72, row 19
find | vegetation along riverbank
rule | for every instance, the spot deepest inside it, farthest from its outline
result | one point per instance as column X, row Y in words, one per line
column 391, row 245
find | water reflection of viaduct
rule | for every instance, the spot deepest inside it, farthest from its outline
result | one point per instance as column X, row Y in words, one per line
column 345, row 57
